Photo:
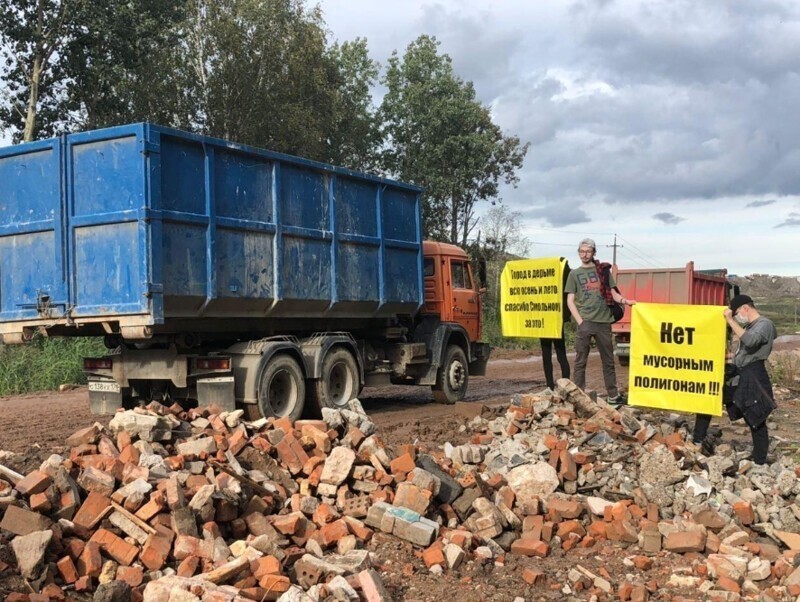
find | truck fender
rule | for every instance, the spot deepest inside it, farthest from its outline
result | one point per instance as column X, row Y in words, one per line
column 316, row 348
column 250, row 357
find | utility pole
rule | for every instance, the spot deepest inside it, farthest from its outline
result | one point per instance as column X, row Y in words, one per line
column 615, row 245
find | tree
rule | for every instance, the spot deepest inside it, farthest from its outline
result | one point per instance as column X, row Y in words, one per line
column 115, row 60
column 355, row 137
column 264, row 75
column 31, row 33
column 73, row 64
column 501, row 236
column 438, row 135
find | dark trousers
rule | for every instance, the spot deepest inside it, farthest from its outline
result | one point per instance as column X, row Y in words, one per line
column 547, row 358
column 583, row 341
column 760, row 436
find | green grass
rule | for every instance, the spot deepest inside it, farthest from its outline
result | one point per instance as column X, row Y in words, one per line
column 783, row 311
column 45, row 363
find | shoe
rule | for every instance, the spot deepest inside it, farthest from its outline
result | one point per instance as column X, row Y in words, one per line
column 708, row 445
column 617, row 400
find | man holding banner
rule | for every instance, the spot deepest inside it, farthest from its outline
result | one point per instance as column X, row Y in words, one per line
column 748, row 392
column 587, row 298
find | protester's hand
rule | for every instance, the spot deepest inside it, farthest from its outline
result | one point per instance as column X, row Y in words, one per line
column 729, row 356
column 631, row 301
column 727, row 313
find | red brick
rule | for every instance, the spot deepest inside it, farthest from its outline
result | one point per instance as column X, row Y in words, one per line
column 292, row 454
column 40, row 502
column 119, row 549
column 433, row 555
column 74, row 546
column 644, row 563
column 132, row 575
column 685, row 541
column 83, row 584
column 275, row 584
column 67, row 570
column 94, row 508
column 288, row 524
column 569, row 527
column 530, row 547
column 744, row 511
column 266, row 565
column 404, row 463
column 558, row 508
column 532, row 577
column 129, row 455
column 90, row 562
column 155, row 552
column 333, row 532
column 188, row 566
column 728, row 584
column 35, row 482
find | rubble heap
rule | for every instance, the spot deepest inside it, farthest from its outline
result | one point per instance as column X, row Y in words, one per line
column 167, row 504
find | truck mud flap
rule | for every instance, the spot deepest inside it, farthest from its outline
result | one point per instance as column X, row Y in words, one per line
column 480, row 354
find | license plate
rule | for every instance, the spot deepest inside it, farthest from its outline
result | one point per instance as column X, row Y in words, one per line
column 103, row 386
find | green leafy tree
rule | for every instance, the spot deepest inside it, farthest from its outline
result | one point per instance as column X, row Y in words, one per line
column 440, row 136
column 115, row 61
column 80, row 64
column 354, row 137
column 32, row 34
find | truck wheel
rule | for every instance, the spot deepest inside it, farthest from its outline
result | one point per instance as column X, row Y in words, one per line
column 281, row 389
column 452, row 377
column 339, row 382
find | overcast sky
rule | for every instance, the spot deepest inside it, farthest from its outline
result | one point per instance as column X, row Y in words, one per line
column 674, row 123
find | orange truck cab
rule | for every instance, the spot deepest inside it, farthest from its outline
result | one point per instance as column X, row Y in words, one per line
column 450, row 319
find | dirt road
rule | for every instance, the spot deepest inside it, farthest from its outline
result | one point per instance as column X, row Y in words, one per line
column 45, row 420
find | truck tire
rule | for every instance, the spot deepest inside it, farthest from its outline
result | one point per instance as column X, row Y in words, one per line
column 339, row 382
column 281, row 388
column 452, row 377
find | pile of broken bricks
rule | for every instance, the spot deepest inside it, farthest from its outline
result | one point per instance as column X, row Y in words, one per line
column 200, row 504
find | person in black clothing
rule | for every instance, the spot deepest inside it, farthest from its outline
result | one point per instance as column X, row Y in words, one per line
column 559, row 344
column 748, row 391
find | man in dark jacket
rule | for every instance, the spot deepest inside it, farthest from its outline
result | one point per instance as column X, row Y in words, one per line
column 748, row 391
column 559, row 343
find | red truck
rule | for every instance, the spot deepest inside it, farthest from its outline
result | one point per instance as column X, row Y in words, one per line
column 666, row 285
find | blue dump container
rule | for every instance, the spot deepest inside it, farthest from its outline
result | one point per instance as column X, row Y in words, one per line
column 150, row 228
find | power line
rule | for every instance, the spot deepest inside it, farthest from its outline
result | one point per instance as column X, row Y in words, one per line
column 635, row 261
column 630, row 244
column 631, row 253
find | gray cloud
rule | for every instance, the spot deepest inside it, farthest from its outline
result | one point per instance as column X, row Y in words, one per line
column 669, row 218
column 625, row 102
column 792, row 220
column 558, row 215
column 759, row 203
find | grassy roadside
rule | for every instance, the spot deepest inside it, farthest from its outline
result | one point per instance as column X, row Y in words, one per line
column 45, row 363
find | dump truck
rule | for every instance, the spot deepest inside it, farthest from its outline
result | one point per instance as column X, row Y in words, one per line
column 221, row 273
column 665, row 285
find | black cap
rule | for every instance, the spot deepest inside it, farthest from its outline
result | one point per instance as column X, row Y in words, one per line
column 740, row 300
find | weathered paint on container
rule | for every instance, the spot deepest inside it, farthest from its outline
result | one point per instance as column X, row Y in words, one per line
column 152, row 224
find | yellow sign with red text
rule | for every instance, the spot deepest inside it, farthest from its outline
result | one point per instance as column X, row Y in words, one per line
column 677, row 357
column 531, row 298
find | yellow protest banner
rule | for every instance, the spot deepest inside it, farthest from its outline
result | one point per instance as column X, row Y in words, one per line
column 677, row 357
column 531, row 298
